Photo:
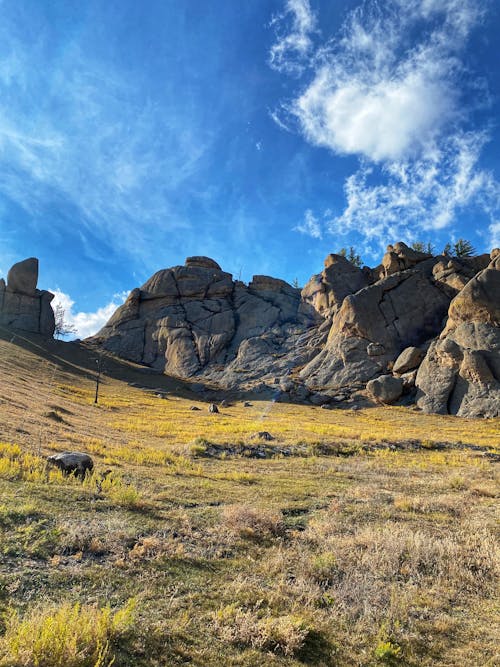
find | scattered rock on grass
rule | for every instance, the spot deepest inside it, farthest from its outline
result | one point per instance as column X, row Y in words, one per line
column 77, row 463
column 385, row 388
column 264, row 435
column 213, row 408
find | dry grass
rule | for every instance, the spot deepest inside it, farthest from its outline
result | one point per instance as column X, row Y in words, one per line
column 358, row 548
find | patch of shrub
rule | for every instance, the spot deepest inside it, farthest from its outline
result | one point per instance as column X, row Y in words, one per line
column 253, row 522
column 64, row 636
column 280, row 634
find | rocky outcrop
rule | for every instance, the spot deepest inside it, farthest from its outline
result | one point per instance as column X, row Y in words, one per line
column 326, row 291
column 195, row 320
column 461, row 372
column 22, row 305
column 400, row 257
column 374, row 325
column 348, row 329
column 454, row 273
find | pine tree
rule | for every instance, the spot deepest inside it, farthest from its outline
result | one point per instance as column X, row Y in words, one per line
column 419, row 246
column 351, row 256
column 463, row 248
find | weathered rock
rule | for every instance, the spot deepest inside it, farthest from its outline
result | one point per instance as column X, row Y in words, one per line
column 23, row 276
column 495, row 259
column 195, row 320
column 326, row 291
column 213, row 408
column 402, row 310
column 204, row 262
column 22, row 305
column 375, row 349
column 318, row 399
column 347, row 327
column 385, row 388
column 452, row 274
column 460, row 374
column 409, row 379
column 399, row 258
column 409, row 359
column 77, row 463
column 479, row 301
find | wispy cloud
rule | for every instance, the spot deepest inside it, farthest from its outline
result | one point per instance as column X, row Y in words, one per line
column 294, row 29
column 78, row 136
column 310, row 226
column 85, row 324
column 392, row 88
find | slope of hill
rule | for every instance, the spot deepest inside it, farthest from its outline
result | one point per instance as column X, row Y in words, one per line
column 354, row 537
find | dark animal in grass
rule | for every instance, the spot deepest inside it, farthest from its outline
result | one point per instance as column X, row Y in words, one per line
column 76, row 463
column 213, row 408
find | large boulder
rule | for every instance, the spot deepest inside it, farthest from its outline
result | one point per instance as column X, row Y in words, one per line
column 326, row 291
column 22, row 305
column 77, row 463
column 23, row 276
column 461, row 372
column 386, row 388
column 408, row 360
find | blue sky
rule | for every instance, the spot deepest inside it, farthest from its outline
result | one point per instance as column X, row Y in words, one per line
column 264, row 134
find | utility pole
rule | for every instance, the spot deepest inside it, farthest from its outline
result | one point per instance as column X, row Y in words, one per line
column 98, row 377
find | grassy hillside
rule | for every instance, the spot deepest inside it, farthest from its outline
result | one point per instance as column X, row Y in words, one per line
column 353, row 538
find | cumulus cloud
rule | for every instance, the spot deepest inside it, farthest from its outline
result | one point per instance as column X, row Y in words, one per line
column 393, row 88
column 378, row 94
column 85, row 324
column 310, row 226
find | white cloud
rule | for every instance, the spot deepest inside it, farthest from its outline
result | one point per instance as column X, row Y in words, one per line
column 377, row 95
column 494, row 230
column 86, row 324
column 418, row 195
column 293, row 45
column 310, row 226
column 393, row 88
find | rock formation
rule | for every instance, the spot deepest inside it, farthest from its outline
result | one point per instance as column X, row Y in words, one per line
column 327, row 290
column 22, row 305
column 374, row 325
column 348, row 327
column 461, row 371
column 195, row 319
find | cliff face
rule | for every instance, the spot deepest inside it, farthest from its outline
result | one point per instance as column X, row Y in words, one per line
column 22, row 305
column 347, row 327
